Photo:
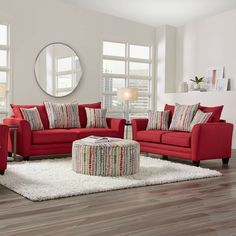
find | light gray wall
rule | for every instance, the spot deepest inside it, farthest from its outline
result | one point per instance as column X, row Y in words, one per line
column 206, row 43
column 199, row 45
column 170, row 59
column 35, row 23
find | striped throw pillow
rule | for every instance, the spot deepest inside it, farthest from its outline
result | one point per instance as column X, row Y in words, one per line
column 62, row 115
column 183, row 116
column 96, row 118
column 33, row 117
column 158, row 120
column 200, row 118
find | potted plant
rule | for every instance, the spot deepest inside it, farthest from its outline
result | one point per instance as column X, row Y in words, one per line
column 196, row 82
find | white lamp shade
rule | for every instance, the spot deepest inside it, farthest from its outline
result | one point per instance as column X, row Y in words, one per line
column 2, row 90
column 127, row 94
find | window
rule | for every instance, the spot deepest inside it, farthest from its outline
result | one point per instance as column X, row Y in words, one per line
column 65, row 74
column 4, row 69
column 127, row 65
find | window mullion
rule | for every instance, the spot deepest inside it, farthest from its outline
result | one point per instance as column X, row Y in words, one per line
column 145, row 94
column 6, row 69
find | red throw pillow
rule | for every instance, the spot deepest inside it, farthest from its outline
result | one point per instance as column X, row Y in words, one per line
column 41, row 109
column 170, row 108
column 216, row 112
column 82, row 112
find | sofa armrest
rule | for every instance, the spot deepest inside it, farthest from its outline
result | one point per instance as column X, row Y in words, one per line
column 3, row 147
column 117, row 125
column 23, row 135
column 138, row 125
column 211, row 140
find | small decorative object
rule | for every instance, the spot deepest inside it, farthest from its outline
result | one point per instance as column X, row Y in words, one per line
column 213, row 74
column 222, row 84
column 126, row 95
column 183, row 87
column 191, row 85
column 203, row 86
column 196, row 82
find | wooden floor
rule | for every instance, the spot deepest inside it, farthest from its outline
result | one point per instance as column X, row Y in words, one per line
column 204, row 207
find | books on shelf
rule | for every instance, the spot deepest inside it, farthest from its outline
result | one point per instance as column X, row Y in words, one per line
column 96, row 139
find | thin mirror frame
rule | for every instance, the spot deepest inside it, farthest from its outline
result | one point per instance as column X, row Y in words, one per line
column 64, row 44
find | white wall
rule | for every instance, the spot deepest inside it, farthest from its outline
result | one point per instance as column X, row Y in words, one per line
column 165, row 61
column 201, row 44
column 170, row 59
column 207, row 43
column 35, row 23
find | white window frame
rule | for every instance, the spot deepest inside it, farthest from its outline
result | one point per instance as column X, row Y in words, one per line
column 72, row 72
column 6, row 69
column 127, row 59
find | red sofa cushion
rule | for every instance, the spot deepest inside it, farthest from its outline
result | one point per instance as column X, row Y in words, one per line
column 181, row 139
column 216, row 112
column 85, row 132
column 153, row 136
column 42, row 112
column 82, row 112
column 53, row 136
column 170, row 108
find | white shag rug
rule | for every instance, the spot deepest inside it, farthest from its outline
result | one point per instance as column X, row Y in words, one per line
column 51, row 179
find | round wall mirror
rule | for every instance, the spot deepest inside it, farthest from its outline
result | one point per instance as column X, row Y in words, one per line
column 57, row 69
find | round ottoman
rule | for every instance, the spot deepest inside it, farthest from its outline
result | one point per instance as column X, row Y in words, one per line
column 115, row 158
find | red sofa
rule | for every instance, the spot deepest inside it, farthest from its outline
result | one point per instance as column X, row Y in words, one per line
column 3, row 147
column 212, row 140
column 55, row 141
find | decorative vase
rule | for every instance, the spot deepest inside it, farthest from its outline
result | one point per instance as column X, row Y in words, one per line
column 203, row 87
column 183, row 87
column 196, row 86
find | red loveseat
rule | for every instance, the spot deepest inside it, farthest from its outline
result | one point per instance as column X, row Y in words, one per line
column 3, row 147
column 55, row 141
column 212, row 140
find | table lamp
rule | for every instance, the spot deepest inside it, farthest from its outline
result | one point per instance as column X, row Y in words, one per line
column 126, row 95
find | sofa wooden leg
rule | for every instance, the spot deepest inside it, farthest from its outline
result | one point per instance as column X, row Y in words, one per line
column 164, row 157
column 10, row 154
column 196, row 163
column 2, row 172
column 26, row 158
column 225, row 161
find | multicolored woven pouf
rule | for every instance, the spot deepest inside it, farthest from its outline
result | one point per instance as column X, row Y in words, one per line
column 115, row 158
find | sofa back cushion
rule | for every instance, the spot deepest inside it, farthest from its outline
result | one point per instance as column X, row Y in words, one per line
column 183, row 116
column 216, row 112
column 170, row 108
column 215, row 117
column 41, row 109
column 44, row 117
column 62, row 115
column 82, row 112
